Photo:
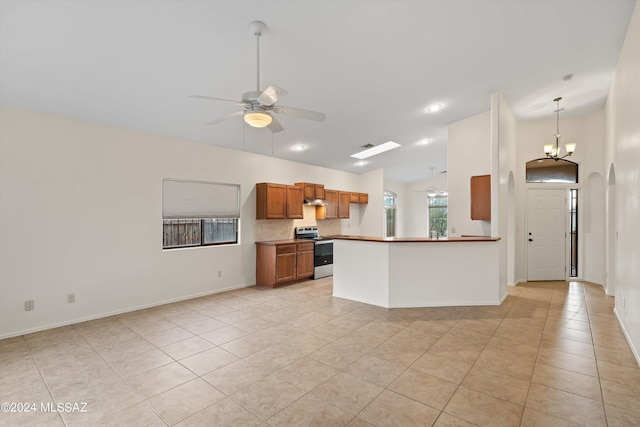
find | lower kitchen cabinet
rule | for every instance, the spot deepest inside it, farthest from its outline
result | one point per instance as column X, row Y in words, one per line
column 278, row 263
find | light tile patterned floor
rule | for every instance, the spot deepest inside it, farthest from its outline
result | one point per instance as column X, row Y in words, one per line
column 552, row 354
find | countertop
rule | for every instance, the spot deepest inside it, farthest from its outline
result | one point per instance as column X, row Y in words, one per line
column 284, row 242
column 414, row 239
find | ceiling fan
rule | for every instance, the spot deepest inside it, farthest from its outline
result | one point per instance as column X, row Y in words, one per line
column 259, row 106
column 433, row 191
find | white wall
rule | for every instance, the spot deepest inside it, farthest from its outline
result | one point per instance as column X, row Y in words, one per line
column 468, row 154
column 504, row 151
column 623, row 152
column 80, row 212
column 372, row 214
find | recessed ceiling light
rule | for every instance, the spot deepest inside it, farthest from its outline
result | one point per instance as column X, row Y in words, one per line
column 299, row 147
column 424, row 141
column 433, row 108
column 361, row 163
column 377, row 149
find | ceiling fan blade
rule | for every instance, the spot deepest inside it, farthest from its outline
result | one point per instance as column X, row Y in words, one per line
column 304, row 114
column 227, row 117
column 216, row 99
column 271, row 94
column 275, row 126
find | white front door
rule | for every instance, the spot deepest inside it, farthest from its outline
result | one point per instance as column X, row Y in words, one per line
column 546, row 239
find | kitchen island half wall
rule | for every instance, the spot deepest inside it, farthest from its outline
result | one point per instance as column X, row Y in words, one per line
column 418, row 272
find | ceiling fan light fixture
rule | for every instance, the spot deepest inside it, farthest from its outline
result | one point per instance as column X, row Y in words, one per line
column 257, row 119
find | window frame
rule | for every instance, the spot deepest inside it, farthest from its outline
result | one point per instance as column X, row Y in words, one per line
column 195, row 198
column 390, row 209
column 446, row 216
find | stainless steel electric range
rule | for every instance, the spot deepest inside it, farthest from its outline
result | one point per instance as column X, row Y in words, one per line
column 322, row 251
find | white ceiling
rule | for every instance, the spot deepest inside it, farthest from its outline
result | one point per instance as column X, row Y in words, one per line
column 371, row 66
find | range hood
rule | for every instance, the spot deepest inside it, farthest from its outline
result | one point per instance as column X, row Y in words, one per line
column 314, row 202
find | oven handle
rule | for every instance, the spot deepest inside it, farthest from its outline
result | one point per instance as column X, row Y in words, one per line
column 323, row 242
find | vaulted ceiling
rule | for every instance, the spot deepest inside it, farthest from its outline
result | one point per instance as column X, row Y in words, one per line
column 371, row 66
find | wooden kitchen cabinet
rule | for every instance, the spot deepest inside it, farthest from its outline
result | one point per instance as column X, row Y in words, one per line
column 294, row 202
column 344, row 199
column 360, row 198
column 312, row 191
column 330, row 209
column 285, row 263
column 279, row 201
column 481, row 197
column 304, row 259
column 281, row 263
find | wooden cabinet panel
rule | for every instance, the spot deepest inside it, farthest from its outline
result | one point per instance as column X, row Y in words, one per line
column 364, row 198
column 278, row 201
column 294, row 202
column 281, row 263
column 304, row 260
column 481, row 197
column 270, row 201
column 331, row 207
column 344, row 198
column 319, row 191
column 286, row 267
column 355, row 197
column 312, row 191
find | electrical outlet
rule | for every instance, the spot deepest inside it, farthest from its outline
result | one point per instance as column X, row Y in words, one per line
column 71, row 298
column 219, row 273
column 453, row 229
column 29, row 305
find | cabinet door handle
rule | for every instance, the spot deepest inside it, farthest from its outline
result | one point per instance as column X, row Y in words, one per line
column 531, row 240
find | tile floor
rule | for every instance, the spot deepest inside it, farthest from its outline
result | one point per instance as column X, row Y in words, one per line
column 552, row 354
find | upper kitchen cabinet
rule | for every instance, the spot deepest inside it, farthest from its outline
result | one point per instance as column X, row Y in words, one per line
column 364, row 198
column 312, row 191
column 294, row 202
column 330, row 209
column 481, row 197
column 344, row 198
column 278, row 201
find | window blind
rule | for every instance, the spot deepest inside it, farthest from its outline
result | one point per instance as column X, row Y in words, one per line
column 197, row 199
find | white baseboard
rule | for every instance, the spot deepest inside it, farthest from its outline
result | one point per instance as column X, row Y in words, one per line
column 627, row 336
column 116, row 312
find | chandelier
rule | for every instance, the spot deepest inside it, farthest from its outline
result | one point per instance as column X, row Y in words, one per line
column 554, row 151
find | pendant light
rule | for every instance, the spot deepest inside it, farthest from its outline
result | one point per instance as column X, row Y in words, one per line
column 554, row 151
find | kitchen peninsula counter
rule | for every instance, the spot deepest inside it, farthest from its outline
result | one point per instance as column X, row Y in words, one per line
column 416, row 239
column 418, row 271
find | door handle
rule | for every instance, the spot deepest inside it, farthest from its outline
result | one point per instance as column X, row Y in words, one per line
column 531, row 240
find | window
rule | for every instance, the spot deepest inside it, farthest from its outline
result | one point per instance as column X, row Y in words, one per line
column 198, row 213
column 437, row 216
column 390, row 213
column 549, row 170
column 574, row 232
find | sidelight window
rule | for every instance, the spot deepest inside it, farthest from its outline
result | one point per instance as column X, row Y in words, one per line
column 390, row 205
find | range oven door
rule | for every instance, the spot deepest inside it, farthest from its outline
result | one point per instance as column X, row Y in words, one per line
column 323, row 259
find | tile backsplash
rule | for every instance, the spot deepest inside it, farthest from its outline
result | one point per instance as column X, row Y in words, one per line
column 283, row 229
